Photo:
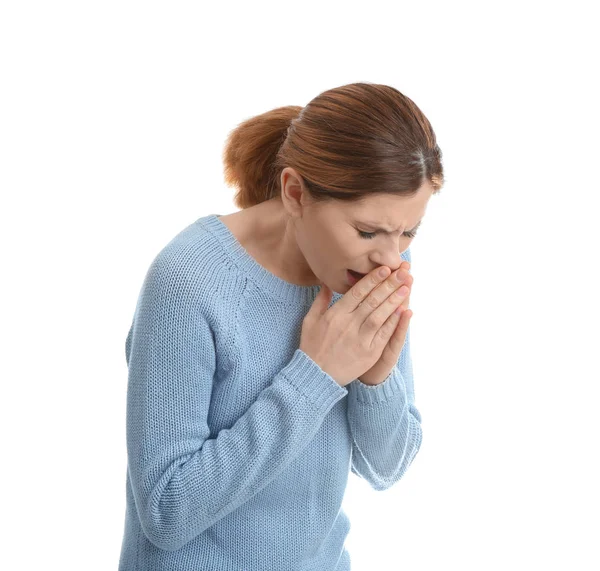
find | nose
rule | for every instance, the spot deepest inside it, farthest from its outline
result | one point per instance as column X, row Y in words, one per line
column 391, row 258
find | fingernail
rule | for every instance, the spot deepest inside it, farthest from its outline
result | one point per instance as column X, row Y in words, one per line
column 383, row 272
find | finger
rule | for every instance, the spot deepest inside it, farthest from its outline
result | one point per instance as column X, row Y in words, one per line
column 391, row 335
column 406, row 302
column 397, row 340
column 381, row 322
column 379, row 295
column 406, row 267
column 408, row 283
column 360, row 290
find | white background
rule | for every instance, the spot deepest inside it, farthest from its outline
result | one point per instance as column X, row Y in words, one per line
column 113, row 117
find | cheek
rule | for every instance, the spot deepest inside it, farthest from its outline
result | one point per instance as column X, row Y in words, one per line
column 340, row 252
column 335, row 251
column 351, row 249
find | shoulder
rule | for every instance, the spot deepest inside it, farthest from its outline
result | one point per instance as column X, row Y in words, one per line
column 189, row 269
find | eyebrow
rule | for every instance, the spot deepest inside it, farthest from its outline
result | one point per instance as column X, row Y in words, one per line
column 375, row 228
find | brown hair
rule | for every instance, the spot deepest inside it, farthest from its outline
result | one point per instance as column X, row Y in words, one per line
column 347, row 143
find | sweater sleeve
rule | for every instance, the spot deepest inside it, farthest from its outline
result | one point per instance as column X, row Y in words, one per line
column 182, row 480
column 385, row 424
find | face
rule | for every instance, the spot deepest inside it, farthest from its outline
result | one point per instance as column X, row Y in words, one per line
column 336, row 236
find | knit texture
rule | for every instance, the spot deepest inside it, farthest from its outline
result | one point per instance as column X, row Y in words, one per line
column 239, row 446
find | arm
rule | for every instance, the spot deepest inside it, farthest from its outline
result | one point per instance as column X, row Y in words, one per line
column 183, row 481
column 385, row 424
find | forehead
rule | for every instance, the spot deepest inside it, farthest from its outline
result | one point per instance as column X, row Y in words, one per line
column 389, row 210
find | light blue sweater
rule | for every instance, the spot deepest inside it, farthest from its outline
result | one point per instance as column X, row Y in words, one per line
column 239, row 445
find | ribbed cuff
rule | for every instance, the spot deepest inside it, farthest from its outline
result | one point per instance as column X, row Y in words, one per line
column 388, row 390
column 314, row 383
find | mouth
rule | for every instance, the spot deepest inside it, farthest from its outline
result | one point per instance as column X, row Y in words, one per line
column 357, row 275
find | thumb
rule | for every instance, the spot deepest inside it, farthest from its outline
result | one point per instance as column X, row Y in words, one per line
column 321, row 303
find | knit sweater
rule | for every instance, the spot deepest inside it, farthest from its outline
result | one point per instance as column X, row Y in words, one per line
column 239, row 446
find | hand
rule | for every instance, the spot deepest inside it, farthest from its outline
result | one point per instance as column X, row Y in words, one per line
column 347, row 339
column 383, row 367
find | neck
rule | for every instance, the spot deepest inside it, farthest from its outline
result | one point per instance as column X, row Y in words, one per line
column 274, row 234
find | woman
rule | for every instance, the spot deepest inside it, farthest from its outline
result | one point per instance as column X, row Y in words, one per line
column 267, row 357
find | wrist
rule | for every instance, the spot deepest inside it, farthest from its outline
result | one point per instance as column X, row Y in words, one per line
column 370, row 382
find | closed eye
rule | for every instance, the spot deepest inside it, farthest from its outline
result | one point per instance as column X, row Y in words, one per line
column 370, row 235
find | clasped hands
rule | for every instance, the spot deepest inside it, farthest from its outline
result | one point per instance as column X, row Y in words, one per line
column 383, row 367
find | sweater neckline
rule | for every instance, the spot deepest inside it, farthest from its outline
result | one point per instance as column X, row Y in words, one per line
column 249, row 267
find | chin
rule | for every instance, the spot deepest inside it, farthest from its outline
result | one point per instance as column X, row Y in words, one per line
column 340, row 287
column 341, row 290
